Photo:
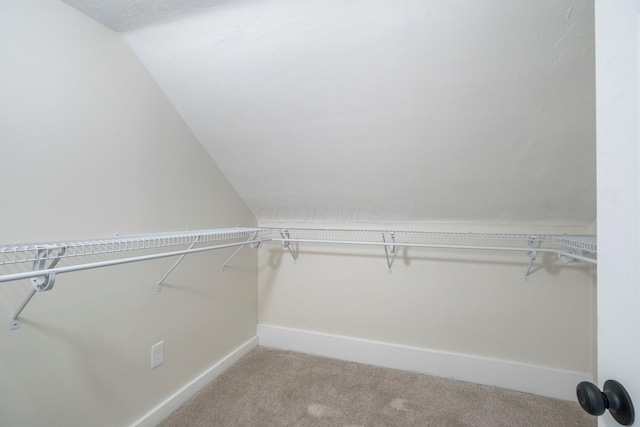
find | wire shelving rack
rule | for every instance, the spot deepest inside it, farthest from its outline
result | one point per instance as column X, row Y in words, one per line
column 45, row 256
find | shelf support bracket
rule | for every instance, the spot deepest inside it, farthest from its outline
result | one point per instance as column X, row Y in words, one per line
column 39, row 283
column 175, row 264
column 390, row 250
column 532, row 254
column 287, row 244
column 567, row 260
column 254, row 245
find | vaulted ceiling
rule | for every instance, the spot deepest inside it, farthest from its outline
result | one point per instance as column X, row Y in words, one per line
column 382, row 110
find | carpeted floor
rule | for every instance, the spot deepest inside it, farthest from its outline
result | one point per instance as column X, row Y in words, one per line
column 278, row 388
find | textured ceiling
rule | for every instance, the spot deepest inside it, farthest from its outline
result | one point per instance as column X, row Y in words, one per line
column 383, row 110
column 129, row 15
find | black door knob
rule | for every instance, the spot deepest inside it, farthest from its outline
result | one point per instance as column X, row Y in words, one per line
column 612, row 397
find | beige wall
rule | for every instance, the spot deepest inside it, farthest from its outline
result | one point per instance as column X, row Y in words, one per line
column 473, row 303
column 90, row 147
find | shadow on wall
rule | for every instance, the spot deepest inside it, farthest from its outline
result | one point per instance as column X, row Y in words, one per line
column 547, row 262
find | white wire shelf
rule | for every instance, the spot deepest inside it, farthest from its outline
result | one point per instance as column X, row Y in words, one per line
column 569, row 248
column 31, row 252
column 43, row 276
column 583, row 243
column 570, row 242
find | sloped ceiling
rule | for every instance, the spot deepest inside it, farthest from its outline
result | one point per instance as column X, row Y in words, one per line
column 382, row 110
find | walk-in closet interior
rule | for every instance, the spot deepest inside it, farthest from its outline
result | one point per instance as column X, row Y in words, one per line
column 406, row 184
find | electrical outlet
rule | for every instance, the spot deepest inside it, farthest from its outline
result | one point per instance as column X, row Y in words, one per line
column 157, row 354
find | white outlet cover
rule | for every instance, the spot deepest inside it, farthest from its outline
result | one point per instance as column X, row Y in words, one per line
column 157, row 354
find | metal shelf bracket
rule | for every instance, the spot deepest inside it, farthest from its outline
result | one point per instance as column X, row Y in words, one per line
column 390, row 250
column 175, row 264
column 287, row 244
column 568, row 260
column 39, row 283
column 250, row 242
column 532, row 254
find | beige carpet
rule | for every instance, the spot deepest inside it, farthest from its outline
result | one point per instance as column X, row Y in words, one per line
column 278, row 388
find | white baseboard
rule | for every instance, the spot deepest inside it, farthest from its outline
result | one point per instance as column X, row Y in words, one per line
column 538, row 380
column 163, row 410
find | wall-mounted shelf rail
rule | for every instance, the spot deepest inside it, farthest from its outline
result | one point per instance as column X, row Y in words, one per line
column 570, row 249
column 30, row 252
column 43, row 277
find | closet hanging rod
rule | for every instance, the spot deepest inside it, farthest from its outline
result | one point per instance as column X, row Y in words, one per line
column 38, row 252
column 32, row 252
column 45, row 256
column 582, row 242
column 99, row 264
column 44, row 276
column 442, row 246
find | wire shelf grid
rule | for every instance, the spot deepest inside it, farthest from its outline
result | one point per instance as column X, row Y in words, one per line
column 43, row 277
column 30, row 252
column 587, row 243
column 584, row 243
